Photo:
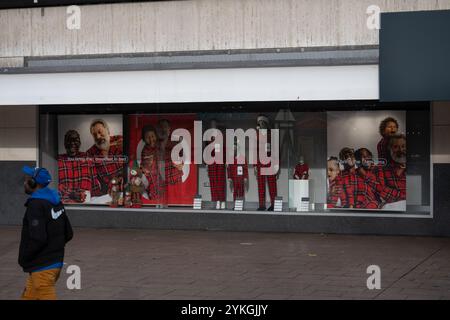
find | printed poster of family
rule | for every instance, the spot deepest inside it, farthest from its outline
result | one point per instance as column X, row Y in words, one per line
column 165, row 182
column 90, row 157
column 366, row 166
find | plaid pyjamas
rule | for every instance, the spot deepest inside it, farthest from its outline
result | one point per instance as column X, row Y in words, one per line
column 335, row 192
column 365, row 192
column 392, row 186
column 238, row 179
column 76, row 174
column 109, row 166
column 301, row 170
column 349, row 183
column 217, row 181
column 272, row 183
column 271, row 179
column 382, row 148
column 150, row 169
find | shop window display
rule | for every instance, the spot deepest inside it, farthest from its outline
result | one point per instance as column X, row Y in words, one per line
column 337, row 160
column 358, row 180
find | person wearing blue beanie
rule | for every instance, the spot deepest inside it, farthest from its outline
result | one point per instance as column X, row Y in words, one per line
column 45, row 231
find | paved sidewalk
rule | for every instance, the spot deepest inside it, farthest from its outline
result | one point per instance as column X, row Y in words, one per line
column 159, row 264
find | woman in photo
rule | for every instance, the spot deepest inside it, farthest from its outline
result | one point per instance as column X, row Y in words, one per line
column 149, row 158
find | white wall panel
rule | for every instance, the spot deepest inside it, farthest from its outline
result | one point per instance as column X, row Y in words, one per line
column 206, row 85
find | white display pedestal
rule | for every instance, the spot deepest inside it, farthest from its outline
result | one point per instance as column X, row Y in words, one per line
column 298, row 189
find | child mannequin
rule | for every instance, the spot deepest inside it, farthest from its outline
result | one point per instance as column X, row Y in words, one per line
column 301, row 170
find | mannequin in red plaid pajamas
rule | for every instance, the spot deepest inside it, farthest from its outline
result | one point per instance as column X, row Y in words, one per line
column 301, row 170
column 75, row 173
column 217, row 173
column 263, row 123
column 393, row 178
column 217, row 182
column 107, row 147
column 238, row 175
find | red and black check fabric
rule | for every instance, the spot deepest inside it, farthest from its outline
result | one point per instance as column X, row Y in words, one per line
column 382, row 148
column 301, row 170
column 238, row 180
column 336, row 192
column 75, row 175
column 350, row 184
column 172, row 174
column 107, row 166
column 261, row 179
column 149, row 158
column 392, row 183
column 217, row 181
column 365, row 192
column 272, row 183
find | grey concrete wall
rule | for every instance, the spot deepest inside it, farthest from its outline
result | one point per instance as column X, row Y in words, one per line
column 18, row 138
column 12, row 196
column 193, row 25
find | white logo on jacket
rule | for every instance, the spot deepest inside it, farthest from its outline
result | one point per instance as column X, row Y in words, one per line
column 55, row 215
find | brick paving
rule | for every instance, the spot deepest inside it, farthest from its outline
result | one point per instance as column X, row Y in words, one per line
column 168, row 264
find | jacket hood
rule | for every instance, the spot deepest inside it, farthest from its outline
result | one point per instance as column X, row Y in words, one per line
column 47, row 194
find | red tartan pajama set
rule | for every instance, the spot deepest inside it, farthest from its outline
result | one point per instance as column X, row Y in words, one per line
column 271, row 179
column 391, row 185
column 217, row 180
column 170, row 175
column 107, row 168
column 349, row 183
column 301, row 170
column 75, row 175
column 365, row 192
column 151, row 172
column 353, row 190
column 382, row 148
column 237, row 173
column 336, row 192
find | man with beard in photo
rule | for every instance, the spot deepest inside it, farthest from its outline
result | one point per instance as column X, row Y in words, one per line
column 75, row 173
column 394, row 174
column 106, row 153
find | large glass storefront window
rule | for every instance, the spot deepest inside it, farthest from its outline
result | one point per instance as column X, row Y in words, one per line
column 334, row 157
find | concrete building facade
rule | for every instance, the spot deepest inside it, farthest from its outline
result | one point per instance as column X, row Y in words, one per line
column 162, row 57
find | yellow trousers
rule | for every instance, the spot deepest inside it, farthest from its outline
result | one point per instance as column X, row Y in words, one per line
column 41, row 285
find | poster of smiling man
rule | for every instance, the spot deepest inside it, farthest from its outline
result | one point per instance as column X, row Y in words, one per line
column 366, row 166
column 90, row 156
